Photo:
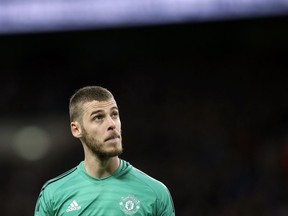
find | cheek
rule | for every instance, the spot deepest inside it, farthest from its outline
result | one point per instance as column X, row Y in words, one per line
column 119, row 124
column 94, row 131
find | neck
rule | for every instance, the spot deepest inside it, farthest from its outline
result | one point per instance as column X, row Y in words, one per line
column 101, row 168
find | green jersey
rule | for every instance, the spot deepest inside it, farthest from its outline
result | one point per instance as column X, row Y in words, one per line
column 128, row 191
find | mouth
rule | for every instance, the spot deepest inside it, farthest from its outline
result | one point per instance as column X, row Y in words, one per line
column 113, row 137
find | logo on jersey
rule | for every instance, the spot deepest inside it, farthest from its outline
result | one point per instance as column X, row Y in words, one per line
column 129, row 204
column 73, row 207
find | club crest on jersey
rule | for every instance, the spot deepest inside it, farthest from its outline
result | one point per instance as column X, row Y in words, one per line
column 129, row 204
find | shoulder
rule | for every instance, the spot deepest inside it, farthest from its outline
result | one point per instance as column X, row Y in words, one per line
column 154, row 184
column 156, row 187
column 56, row 182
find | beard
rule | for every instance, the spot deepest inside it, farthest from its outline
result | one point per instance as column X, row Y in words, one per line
column 98, row 148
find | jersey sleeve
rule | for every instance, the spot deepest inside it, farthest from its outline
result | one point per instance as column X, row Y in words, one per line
column 165, row 204
column 43, row 205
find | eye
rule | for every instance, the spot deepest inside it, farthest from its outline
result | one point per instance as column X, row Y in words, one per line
column 115, row 114
column 98, row 117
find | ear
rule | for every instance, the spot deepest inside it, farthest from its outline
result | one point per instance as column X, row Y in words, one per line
column 76, row 129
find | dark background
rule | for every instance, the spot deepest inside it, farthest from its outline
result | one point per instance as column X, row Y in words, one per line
column 203, row 109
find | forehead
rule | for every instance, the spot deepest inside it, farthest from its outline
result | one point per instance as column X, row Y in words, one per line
column 99, row 105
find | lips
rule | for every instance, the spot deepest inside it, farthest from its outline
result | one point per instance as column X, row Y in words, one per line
column 114, row 136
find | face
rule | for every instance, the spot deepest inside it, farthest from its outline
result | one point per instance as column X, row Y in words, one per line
column 101, row 128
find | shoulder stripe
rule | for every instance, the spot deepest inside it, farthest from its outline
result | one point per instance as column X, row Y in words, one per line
column 58, row 177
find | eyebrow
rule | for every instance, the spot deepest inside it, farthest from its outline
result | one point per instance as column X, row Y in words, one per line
column 101, row 110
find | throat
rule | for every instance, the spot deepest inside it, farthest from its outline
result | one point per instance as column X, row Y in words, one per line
column 100, row 168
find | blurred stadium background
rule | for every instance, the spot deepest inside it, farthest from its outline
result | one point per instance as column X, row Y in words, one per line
column 202, row 91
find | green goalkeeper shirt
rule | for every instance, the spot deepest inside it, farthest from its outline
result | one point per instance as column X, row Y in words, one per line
column 128, row 191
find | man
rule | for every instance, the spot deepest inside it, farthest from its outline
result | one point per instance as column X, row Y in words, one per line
column 102, row 184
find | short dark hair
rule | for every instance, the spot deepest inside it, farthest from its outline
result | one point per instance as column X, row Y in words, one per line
column 86, row 94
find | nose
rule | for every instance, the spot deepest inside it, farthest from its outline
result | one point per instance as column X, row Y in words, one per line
column 111, row 123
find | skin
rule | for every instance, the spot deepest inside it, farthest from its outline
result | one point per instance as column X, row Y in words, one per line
column 100, row 134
